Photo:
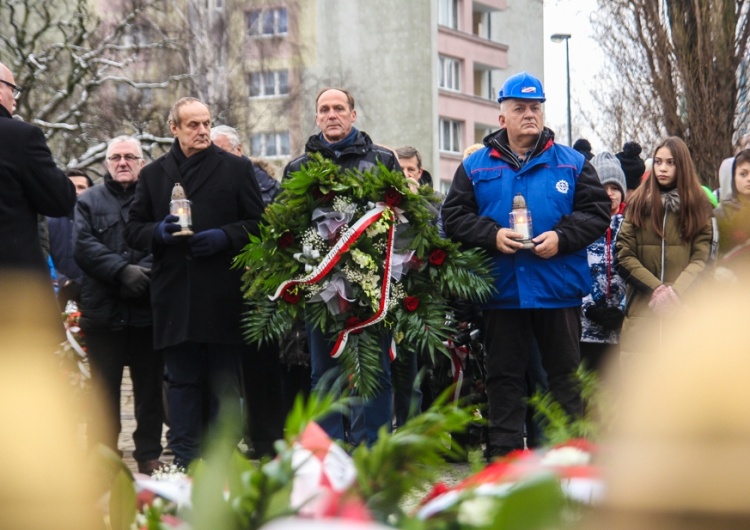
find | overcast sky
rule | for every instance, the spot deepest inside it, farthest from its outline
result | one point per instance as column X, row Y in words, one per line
column 571, row 17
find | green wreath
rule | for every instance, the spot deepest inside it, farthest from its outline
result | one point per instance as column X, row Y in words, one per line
column 326, row 243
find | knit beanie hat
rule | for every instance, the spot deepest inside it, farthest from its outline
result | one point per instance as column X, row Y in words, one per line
column 609, row 170
column 632, row 164
column 584, row 147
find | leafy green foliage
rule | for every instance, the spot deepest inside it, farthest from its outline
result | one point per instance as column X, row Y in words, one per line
column 409, row 459
column 122, row 501
column 290, row 245
column 232, row 492
column 558, row 426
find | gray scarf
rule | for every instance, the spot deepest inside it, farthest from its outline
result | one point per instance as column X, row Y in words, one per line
column 671, row 200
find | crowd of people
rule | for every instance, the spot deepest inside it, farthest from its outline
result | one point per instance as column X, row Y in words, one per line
column 613, row 243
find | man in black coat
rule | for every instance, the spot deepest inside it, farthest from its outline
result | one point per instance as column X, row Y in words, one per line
column 115, row 306
column 195, row 294
column 31, row 185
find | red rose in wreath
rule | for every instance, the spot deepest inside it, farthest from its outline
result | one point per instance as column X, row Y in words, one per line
column 322, row 197
column 393, row 197
column 291, row 295
column 286, row 240
column 437, row 257
column 353, row 321
column 411, row 303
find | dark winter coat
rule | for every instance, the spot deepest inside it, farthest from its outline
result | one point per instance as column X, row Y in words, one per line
column 102, row 252
column 196, row 299
column 31, row 185
column 269, row 186
column 562, row 192
column 61, row 249
column 362, row 154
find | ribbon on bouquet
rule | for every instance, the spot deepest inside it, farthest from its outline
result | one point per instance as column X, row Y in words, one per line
column 329, row 261
column 385, row 299
column 348, row 238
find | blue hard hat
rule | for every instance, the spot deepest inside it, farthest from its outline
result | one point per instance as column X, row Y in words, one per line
column 522, row 86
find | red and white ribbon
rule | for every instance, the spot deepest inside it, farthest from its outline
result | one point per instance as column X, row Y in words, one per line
column 348, row 238
column 329, row 261
column 380, row 314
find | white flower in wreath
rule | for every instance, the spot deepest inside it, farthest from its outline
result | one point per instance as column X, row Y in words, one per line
column 371, row 286
column 562, row 186
column 380, row 226
column 362, row 259
column 311, row 239
column 344, row 205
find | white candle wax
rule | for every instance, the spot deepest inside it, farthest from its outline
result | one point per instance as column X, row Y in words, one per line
column 523, row 229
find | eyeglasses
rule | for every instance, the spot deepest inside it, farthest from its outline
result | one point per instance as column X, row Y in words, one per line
column 16, row 89
column 128, row 158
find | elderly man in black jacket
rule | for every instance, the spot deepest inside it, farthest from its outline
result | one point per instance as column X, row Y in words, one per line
column 115, row 305
column 31, row 185
column 195, row 294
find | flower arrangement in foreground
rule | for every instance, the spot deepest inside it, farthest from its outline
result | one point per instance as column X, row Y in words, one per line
column 359, row 254
column 313, row 478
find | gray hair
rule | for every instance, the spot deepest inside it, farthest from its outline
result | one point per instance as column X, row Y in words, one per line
column 225, row 130
column 174, row 113
column 125, row 138
column 407, row 151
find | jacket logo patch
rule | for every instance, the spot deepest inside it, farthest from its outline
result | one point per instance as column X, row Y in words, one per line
column 562, row 186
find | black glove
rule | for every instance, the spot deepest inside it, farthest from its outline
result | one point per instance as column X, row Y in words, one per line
column 134, row 280
column 595, row 313
column 164, row 230
column 465, row 311
column 612, row 319
column 209, row 242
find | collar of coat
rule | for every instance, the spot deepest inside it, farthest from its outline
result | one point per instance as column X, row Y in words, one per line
column 500, row 146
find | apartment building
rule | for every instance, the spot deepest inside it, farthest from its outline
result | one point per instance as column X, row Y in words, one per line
column 423, row 72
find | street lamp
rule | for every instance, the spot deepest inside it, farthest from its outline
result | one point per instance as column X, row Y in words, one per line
column 559, row 37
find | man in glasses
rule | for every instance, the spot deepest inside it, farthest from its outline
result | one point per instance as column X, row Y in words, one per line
column 32, row 185
column 116, row 306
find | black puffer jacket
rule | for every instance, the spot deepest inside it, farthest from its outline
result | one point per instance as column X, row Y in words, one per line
column 362, row 154
column 102, row 252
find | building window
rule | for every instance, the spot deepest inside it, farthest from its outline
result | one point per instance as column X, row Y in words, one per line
column 269, row 84
column 449, row 73
column 450, row 135
column 270, row 145
column 267, row 22
column 448, row 13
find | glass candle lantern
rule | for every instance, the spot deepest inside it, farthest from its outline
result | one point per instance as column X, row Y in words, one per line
column 520, row 221
column 180, row 206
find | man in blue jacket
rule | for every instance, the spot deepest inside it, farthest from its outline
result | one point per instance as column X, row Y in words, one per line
column 538, row 290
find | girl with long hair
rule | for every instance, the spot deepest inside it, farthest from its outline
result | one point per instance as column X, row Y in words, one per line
column 665, row 240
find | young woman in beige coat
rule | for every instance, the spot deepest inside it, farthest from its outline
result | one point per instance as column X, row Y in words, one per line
column 664, row 242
